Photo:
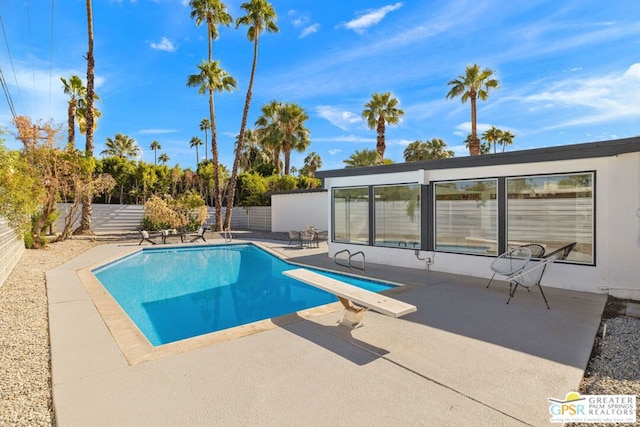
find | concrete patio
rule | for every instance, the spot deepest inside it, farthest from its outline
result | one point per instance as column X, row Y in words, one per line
column 464, row 358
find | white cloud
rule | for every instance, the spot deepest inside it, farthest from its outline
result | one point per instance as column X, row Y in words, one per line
column 339, row 118
column 598, row 99
column 311, row 29
column 334, row 152
column 298, row 19
column 165, row 45
column 373, row 17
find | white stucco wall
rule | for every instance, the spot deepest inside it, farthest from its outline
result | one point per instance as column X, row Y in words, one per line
column 617, row 224
column 296, row 211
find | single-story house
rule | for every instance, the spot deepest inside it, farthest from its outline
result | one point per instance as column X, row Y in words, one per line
column 456, row 215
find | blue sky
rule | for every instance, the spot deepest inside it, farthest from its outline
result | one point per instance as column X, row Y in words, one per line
column 569, row 71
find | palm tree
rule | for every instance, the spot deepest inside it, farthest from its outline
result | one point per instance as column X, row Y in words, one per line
column 261, row 16
column 381, row 110
column 428, row 150
column 76, row 91
column 282, row 128
column 81, row 115
column 268, row 133
column 205, row 125
column 164, row 158
column 484, row 148
column 492, row 136
column 214, row 13
column 212, row 78
column 121, row 146
column 365, row 157
column 155, row 146
column 474, row 84
column 506, row 139
column 87, row 209
column 295, row 135
column 312, row 163
column 196, row 142
column 252, row 153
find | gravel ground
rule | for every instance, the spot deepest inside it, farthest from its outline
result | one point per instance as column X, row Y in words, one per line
column 25, row 379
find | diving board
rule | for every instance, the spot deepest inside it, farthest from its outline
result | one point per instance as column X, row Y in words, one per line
column 355, row 300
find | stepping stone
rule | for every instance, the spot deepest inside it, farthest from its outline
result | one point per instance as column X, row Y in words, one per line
column 633, row 309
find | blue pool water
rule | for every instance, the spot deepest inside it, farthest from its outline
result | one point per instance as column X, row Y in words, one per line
column 177, row 293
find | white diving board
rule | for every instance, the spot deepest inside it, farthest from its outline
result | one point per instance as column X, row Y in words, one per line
column 355, row 300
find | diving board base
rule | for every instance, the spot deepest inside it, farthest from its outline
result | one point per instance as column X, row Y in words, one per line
column 352, row 315
column 356, row 301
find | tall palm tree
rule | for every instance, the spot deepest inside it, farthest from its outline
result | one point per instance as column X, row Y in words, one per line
column 380, row 111
column 492, row 136
column 506, row 139
column 261, row 16
column 81, row 115
column 214, row 13
column 205, row 125
column 164, row 158
column 121, row 146
column 76, row 91
column 312, row 163
column 212, row 78
column 87, row 209
column 155, row 146
column 474, row 84
column 196, row 142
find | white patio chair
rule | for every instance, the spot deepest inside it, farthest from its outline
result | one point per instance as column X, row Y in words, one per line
column 510, row 262
column 530, row 276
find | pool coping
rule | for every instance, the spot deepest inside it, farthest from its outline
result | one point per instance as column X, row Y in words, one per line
column 136, row 348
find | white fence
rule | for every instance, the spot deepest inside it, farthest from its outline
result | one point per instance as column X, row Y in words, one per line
column 119, row 218
column 11, row 249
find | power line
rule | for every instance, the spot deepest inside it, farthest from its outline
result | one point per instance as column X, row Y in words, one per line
column 5, row 88
column 15, row 77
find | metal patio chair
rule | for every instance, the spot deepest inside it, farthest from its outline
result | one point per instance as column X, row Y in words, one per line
column 531, row 276
column 513, row 261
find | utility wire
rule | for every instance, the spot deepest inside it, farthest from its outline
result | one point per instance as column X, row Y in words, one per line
column 15, row 77
column 5, row 88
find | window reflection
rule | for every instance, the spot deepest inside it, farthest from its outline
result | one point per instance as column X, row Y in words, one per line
column 466, row 216
column 351, row 215
column 553, row 211
column 397, row 216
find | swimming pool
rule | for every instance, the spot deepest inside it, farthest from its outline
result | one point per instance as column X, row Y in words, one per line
column 176, row 293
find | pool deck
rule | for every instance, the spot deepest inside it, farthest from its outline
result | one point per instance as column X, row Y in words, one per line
column 464, row 358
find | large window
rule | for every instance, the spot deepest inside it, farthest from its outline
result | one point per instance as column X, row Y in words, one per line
column 397, row 216
column 554, row 211
column 351, row 215
column 466, row 216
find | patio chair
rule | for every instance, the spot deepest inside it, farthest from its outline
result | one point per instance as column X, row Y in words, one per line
column 295, row 236
column 198, row 235
column 512, row 261
column 322, row 235
column 309, row 238
column 562, row 253
column 530, row 276
column 144, row 236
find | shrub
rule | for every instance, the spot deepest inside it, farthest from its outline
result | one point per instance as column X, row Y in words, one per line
column 187, row 211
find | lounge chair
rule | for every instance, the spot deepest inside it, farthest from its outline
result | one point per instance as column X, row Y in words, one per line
column 530, row 276
column 144, row 235
column 198, row 235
